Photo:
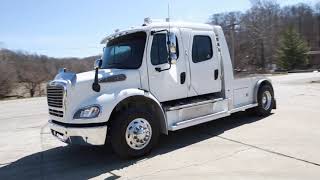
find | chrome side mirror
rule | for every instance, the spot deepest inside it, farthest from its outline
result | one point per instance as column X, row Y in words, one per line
column 172, row 47
column 98, row 63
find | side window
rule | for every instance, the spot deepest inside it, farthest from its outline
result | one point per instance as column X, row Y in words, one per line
column 201, row 48
column 159, row 52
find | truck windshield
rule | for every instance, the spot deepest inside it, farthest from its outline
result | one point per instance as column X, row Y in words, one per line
column 124, row 52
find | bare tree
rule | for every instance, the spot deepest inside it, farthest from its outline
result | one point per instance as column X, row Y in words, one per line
column 33, row 75
column 7, row 73
column 31, row 70
column 253, row 36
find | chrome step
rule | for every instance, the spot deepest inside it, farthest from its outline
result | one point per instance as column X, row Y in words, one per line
column 243, row 108
column 198, row 120
column 173, row 108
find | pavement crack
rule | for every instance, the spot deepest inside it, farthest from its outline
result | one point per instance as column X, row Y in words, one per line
column 21, row 116
column 270, row 151
column 29, row 127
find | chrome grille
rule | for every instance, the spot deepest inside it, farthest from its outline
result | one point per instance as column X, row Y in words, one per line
column 56, row 113
column 55, row 96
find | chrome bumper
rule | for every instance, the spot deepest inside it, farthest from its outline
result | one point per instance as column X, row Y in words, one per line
column 93, row 135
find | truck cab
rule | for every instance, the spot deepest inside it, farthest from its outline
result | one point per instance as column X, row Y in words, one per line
column 152, row 79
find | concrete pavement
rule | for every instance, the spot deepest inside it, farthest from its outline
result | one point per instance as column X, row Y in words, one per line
column 284, row 145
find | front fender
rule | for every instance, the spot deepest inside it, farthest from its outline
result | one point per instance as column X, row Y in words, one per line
column 109, row 101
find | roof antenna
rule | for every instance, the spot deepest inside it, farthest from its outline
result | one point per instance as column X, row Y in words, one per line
column 168, row 18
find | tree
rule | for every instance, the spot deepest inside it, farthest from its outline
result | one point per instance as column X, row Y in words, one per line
column 33, row 74
column 19, row 68
column 261, row 25
column 293, row 50
column 253, row 35
column 5, row 81
column 7, row 73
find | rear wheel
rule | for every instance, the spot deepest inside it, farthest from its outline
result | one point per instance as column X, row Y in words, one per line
column 134, row 132
column 265, row 101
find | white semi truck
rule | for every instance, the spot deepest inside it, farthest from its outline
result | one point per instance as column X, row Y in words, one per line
column 152, row 79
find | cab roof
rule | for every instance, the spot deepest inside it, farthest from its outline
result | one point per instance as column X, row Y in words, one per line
column 158, row 25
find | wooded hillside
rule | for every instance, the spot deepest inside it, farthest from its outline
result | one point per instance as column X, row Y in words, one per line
column 254, row 36
column 30, row 70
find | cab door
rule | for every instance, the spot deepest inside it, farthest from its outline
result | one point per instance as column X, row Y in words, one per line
column 204, row 64
column 167, row 84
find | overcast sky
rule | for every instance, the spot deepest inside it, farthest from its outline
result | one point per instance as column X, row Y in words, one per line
column 65, row 28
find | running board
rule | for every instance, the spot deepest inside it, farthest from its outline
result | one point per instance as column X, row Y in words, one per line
column 243, row 108
column 198, row 120
column 193, row 104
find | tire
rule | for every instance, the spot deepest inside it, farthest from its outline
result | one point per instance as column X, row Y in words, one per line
column 123, row 126
column 265, row 101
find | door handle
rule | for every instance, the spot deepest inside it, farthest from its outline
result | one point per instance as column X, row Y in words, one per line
column 216, row 74
column 182, row 77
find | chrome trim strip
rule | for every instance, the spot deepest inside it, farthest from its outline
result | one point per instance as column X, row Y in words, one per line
column 198, row 120
column 243, row 108
column 193, row 104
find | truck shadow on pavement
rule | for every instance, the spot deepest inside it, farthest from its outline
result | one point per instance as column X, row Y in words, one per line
column 74, row 162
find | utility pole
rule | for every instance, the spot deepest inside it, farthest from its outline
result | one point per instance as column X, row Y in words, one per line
column 233, row 44
column 263, row 60
column 231, row 28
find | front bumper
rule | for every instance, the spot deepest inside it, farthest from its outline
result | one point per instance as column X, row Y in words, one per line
column 85, row 134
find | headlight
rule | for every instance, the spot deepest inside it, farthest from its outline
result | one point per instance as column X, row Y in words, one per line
column 87, row 112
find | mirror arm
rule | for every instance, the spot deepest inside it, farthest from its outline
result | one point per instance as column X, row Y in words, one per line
column 158, row 69
column 96, row 85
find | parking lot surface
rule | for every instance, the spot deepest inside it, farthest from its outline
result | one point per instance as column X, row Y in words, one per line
column 284, row 145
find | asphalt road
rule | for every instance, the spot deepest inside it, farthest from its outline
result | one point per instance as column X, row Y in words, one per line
column 285, row 145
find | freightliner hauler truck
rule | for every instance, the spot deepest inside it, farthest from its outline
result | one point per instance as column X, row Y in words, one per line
column 150, row 80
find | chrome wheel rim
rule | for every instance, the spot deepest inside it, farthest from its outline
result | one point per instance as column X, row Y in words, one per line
column 266, row 100
column 138, row 133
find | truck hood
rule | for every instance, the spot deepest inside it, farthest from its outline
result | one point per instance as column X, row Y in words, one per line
column 79, row 86
column 105, row 76
column 110, row 80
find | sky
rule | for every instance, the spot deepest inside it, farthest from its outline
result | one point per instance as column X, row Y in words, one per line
column 74, row 28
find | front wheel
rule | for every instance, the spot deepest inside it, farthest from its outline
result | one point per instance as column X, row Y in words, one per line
column 265, row 101
column 133, row 133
